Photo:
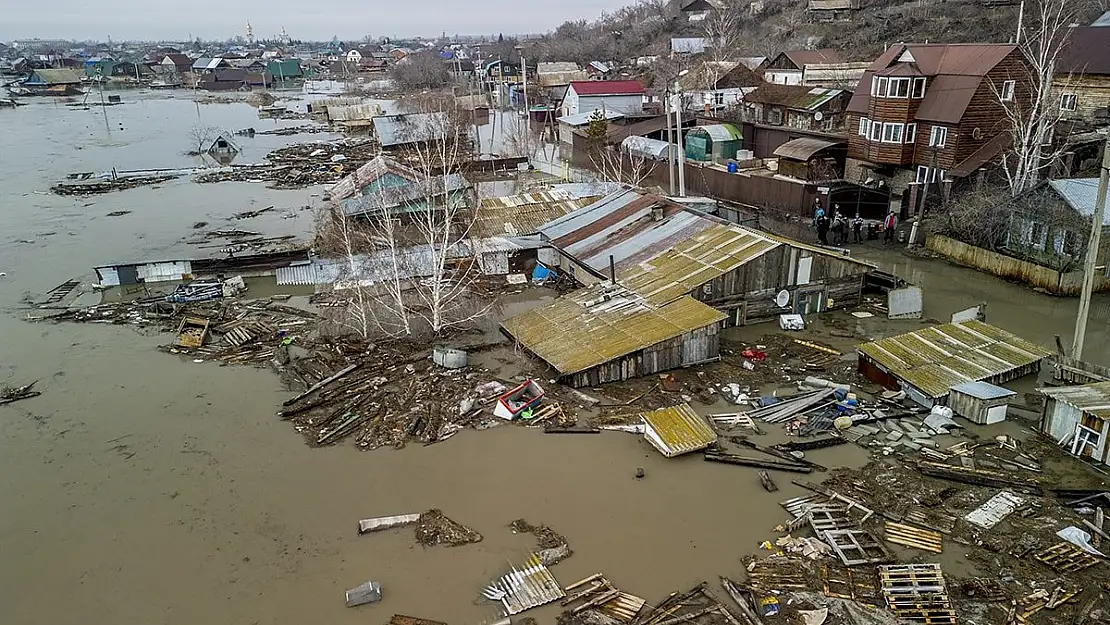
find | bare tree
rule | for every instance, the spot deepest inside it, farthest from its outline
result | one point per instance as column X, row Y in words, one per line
column 200, row 137
column 1030, row 101
column 626, row 164
column 723, row 33
column 421, row 70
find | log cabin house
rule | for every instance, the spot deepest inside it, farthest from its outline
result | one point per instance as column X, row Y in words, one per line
column 1082, row 77
column 926, row 113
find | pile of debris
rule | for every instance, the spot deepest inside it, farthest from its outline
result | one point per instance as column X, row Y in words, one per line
column 86, row 184
column 554, row 547
column 301, row 165
column 434, row 528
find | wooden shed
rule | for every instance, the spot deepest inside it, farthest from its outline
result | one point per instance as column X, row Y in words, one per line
column 980, row 402
column 1079, row 418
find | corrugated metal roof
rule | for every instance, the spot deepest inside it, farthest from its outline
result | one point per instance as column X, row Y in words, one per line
column 581, row 119
column 935, row 359
column 643, row 146
column 394, row 130
column 413, row 262
column 518, row 215
column 803, row 148
column 607, row 87
column 983, row 390
column 677, row 430
column 57, row 76
column 353, row 112
column 594, row 325
column 720, row 132
column 1082, row 195
column 1090, row 398
column 606, row 205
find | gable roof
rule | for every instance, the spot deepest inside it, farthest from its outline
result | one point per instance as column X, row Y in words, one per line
column 954, row 72
column 1085, row 51
column 57, row 76
column 179, row 60
column 607, row 87
column 1081, row 194
column 349, row 191
column 723, row 75
column 800, row 58
column 393, row 130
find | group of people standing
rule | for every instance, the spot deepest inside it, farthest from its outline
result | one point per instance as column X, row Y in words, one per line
column 838, row 224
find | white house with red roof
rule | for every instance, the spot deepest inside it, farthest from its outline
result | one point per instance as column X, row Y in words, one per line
column 617, row 96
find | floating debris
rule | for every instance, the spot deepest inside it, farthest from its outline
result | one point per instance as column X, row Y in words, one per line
column 13, row 394
column 378, row 524
column 554, row 547
column 370, row 592
column 434, row 528
column 525, row 589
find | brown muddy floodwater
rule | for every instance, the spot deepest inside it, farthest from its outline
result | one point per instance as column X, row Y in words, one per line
column 142, row 488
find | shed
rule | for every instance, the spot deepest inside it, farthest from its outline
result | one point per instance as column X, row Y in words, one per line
column 980, row 402
column 926, row 363
column 713, row 142
column 812, row 159
column 1081, row 415
column 644, row 147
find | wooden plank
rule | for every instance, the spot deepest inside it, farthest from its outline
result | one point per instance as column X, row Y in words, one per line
column 322, row 383
column 913, row 537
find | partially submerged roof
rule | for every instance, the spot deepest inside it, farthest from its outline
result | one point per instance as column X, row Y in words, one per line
column 353, row 112
column 519, row 215
column 804, row 148
column 384, row 183
column 935, row 359
column 1090, row 398
column 983, row 390
column 58, row 76
column 594, row 325
column 607, row 87
column 677, row 430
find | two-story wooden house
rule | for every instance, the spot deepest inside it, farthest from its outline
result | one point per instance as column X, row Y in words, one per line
column 1082, row 77
column 925, row 113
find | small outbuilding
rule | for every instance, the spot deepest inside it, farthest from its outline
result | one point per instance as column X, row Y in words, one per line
column 713, row 142
column 980, row 402
column 1078, row 417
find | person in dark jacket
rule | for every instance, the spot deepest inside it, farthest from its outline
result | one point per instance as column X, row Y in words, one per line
column 857, row 228
column 823, row 230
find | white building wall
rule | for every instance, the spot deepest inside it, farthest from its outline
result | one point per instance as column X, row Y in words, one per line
column 623, row 104
column 783, row 76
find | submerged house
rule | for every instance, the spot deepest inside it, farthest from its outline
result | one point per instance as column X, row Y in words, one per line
column 1079, row 417
column 660, row 279
column 397, row 131
column 927, row 363
column 385, row 186
column 54, row 82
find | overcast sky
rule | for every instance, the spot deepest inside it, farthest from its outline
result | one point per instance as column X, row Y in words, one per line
column 303, row 19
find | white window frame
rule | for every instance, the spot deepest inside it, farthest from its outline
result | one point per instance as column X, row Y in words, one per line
column 1007, row 92
column 911, row 133
column 938, row 137
column 1068, row 97
column 918, row 88
column 876, row 131
column 893, row 85
column 864, row 127
column 893, row 133
column 879, row 86
column 929, row 174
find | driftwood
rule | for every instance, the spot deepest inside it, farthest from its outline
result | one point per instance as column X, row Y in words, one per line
column 768, row 484
column 759, row 463
column 322, row 383
column 9, row 395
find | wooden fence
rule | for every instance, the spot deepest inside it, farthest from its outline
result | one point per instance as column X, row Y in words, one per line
column 1010, row 268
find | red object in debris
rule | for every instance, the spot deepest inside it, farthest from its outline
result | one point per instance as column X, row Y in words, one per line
column 754, row 355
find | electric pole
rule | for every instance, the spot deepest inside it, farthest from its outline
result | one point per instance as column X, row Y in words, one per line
column 1092, row 255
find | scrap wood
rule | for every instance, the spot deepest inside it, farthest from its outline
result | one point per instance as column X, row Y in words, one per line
column 771, row 451
column 930, row 519
column 737, row 594
column 767, row 482
column 759, row 463
column 322, row 383
column 401, row 619
column 13, row 394
column 818, row 347
column 1065, row 557
column 845, row 583
column 835, row 496
column 979, row 477
column 434, row 528
column 600, row 594
column 913, row 537
column 777, row 572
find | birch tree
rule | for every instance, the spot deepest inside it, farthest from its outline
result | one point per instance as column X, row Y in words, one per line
column 722, row 31
column 1032, row 120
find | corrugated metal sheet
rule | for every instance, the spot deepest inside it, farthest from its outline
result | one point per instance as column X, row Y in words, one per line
column 353, row 112
column 935, row 359
column 563, row 226
column 1081, row 194
column 108, row 276
column 523, row 214
column 983, row 390
column 677, row 430
column 301, row 275
column 1090, row 398
column 720, row 132
column 643, row 146
column 365, row 269
column 581, row 119
column 165, row 271
column 598, row 324
column 994, row 510
column 803, row 148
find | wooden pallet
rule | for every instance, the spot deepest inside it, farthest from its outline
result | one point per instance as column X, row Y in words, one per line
column 830, row 516
column 843, row 583
column 1065, row 558
column 777, row 572
column 856, row 547
column 917, row 593
column 925, row 540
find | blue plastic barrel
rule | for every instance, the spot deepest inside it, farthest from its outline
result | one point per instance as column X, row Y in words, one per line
column 732, row 167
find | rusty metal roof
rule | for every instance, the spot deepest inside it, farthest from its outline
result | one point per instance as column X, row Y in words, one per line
column 594, row 325
column 677, row 430
column 518, row 215
column 1090, row 398
column 935, row 359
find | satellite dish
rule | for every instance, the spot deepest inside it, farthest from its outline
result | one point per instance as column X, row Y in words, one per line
column 783, row 298
column 818, row 116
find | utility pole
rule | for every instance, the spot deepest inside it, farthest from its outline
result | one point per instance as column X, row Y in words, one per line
column 527, row 113
column 681, row 155
column 1092, row 255
column 670, row 137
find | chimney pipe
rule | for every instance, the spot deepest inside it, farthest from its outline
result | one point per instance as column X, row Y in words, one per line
column 612, row 270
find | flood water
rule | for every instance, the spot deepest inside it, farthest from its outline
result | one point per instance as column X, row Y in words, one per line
column 147, row 489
